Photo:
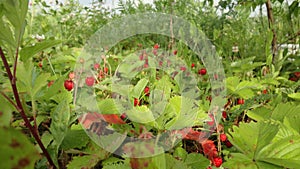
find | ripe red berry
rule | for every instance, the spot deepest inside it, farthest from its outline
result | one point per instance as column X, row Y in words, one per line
column 96, row 66
column 217, row 161
column 202, row 71
column 89, row 81
column 265, row 91
column 175, row 52
column 209, row 98
column 40, row 64
column 123, row 116
column 209, row 167
column 223, row 137
column 228, row 144
column 136, row 102
column 193, row 65
column 182, row 68
column 224, row 114
column 106, row 69
column 146, row 65
column 293, row 79
column 69, row 84
column 297, row 74
column 156, row 46
column 146, row 91
column 71, row 75
column 50, row 83
column 240, row 101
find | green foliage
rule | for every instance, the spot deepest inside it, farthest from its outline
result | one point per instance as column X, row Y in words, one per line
column 44, row 41
column 16, row 151
column 258, row 149
column 30, row 51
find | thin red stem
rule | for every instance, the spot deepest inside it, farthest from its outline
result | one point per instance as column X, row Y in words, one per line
column 21, row 109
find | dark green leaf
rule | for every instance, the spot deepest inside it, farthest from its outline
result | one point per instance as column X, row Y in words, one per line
column 16, row 151
column 30, row 51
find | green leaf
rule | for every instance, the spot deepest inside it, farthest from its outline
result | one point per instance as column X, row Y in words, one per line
column 39, row 82
column 6, row 35
column 60, row 121
column 187, row 113
column 284, row 152
column 164, row 85
column 293, row 122
column 30, row 51
column 180, row 153
column 6, row 110
column 108, row 106
column 250, row 138
column 16, row 151
column 139, row 88
column 15, row 12
column 56, row 87
column 24, row 76
column 295, row 96
column 75, row 138
column 63, row 59
column 87, row 161
column 117, row 166
column 238, row 161
column 196, row 160
column 283, row 110
column 172, row 163
column 140, row 114
column 259, row 114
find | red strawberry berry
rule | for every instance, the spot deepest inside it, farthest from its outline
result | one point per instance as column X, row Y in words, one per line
column 175, row 52
column 209, row 149
column 50, row 83
column 209, row 98
column 146, row 65
column 156, row 46
column 202, row 71
column 297, row 74
column 96, row 66
column 123, row 116
column 136, row 102
column 89, row 81
column 224, row 114
column 217, row 161
column 223, row 137
column 193, row 65
column 228, row 144
column 69, row 84
column 293, row 79
column 265, row 91
column 40, row 64
column 240, row 101
column 141, row 57
column 146, row 91
column 183, row 68
column 106, row 69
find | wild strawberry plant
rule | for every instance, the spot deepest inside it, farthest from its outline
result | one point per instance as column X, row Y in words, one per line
column 41, row 127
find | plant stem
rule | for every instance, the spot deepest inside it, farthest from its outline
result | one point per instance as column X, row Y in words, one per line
column 271, row 26
column 21, row 109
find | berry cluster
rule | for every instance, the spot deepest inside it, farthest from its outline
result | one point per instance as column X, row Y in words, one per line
column 89, row 80
column 295, row 76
